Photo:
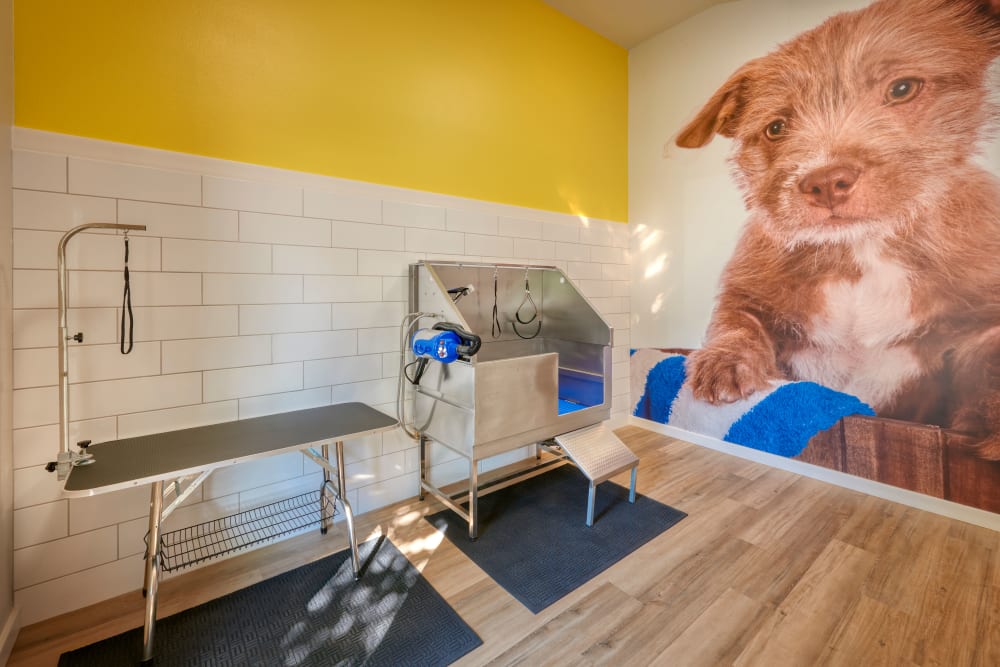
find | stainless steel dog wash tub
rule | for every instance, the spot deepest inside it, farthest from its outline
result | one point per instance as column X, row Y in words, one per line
column 539, row 373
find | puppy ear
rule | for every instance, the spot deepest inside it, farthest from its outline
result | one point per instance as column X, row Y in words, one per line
column 719, row 114
column 985, row 6
column 991, row 9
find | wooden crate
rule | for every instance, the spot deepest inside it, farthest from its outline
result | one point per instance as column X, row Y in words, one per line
column 918, row 457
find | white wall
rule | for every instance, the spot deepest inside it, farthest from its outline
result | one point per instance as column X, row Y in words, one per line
column 684, row 208
column 255, row 291
column 8, row 619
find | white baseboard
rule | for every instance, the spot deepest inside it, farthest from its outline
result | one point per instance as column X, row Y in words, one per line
column 920, row 501
column 619, row 419
column 8, row 635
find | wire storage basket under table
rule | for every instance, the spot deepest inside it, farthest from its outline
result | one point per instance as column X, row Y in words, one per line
column 212, row 539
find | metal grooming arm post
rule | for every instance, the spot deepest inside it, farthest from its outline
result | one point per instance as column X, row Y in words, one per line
column 66, row 457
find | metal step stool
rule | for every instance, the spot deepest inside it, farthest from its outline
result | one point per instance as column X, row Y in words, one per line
column 600, row 455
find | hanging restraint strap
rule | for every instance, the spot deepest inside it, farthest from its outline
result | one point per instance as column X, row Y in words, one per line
column 495, row 328
column 526, row 302
column 127, row 307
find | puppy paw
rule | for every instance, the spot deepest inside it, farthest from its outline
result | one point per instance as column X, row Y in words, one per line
column 720, row 375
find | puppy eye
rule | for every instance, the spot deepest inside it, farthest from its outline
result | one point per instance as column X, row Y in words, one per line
column 903, row 90
column 775, row 129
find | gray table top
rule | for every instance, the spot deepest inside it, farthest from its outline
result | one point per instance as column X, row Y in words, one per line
column 162, row 456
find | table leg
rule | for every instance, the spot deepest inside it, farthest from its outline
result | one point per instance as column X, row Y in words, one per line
column 348, row 512
column 152, row 576
column 324, row 513
column 339, row 492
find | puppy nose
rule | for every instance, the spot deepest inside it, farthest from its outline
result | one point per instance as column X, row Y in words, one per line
column 829, row 186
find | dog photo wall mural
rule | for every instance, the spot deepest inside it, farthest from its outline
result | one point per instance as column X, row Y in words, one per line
column 866, row 278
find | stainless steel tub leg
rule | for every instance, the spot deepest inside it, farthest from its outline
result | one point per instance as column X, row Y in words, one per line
column 473, row 499
column 152, row 576
column 422, row 450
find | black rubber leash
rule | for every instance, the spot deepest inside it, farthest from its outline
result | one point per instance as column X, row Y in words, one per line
column 127, row 307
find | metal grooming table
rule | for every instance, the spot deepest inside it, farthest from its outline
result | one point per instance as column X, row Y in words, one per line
column 187, row 457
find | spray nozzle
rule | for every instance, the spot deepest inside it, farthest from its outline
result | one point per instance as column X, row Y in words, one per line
column 458, row 292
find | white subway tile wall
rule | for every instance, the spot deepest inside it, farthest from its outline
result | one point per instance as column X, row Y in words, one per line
column 40, row 171
column 339, row 207
column 58, row 212
column 126, row 181
column 285, row 229
column 249, row 298
column 186, row 222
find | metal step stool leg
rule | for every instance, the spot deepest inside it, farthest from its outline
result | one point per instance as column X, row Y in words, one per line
column 600, row 455
column 591, row 497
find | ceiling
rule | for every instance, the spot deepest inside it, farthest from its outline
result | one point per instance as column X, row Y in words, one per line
column 629, row 22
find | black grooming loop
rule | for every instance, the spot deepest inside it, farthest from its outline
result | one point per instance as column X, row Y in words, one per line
column 527, row 301
column 495, row 328
column 127, row 306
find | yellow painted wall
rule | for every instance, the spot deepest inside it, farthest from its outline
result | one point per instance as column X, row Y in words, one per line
column 500, row 100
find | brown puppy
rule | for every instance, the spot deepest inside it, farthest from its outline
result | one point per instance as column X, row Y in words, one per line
column 871, row 259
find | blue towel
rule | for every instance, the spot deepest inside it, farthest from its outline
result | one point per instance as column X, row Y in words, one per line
column 779, row 420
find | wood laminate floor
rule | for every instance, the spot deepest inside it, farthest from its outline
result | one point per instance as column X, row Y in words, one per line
column 769, row 568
